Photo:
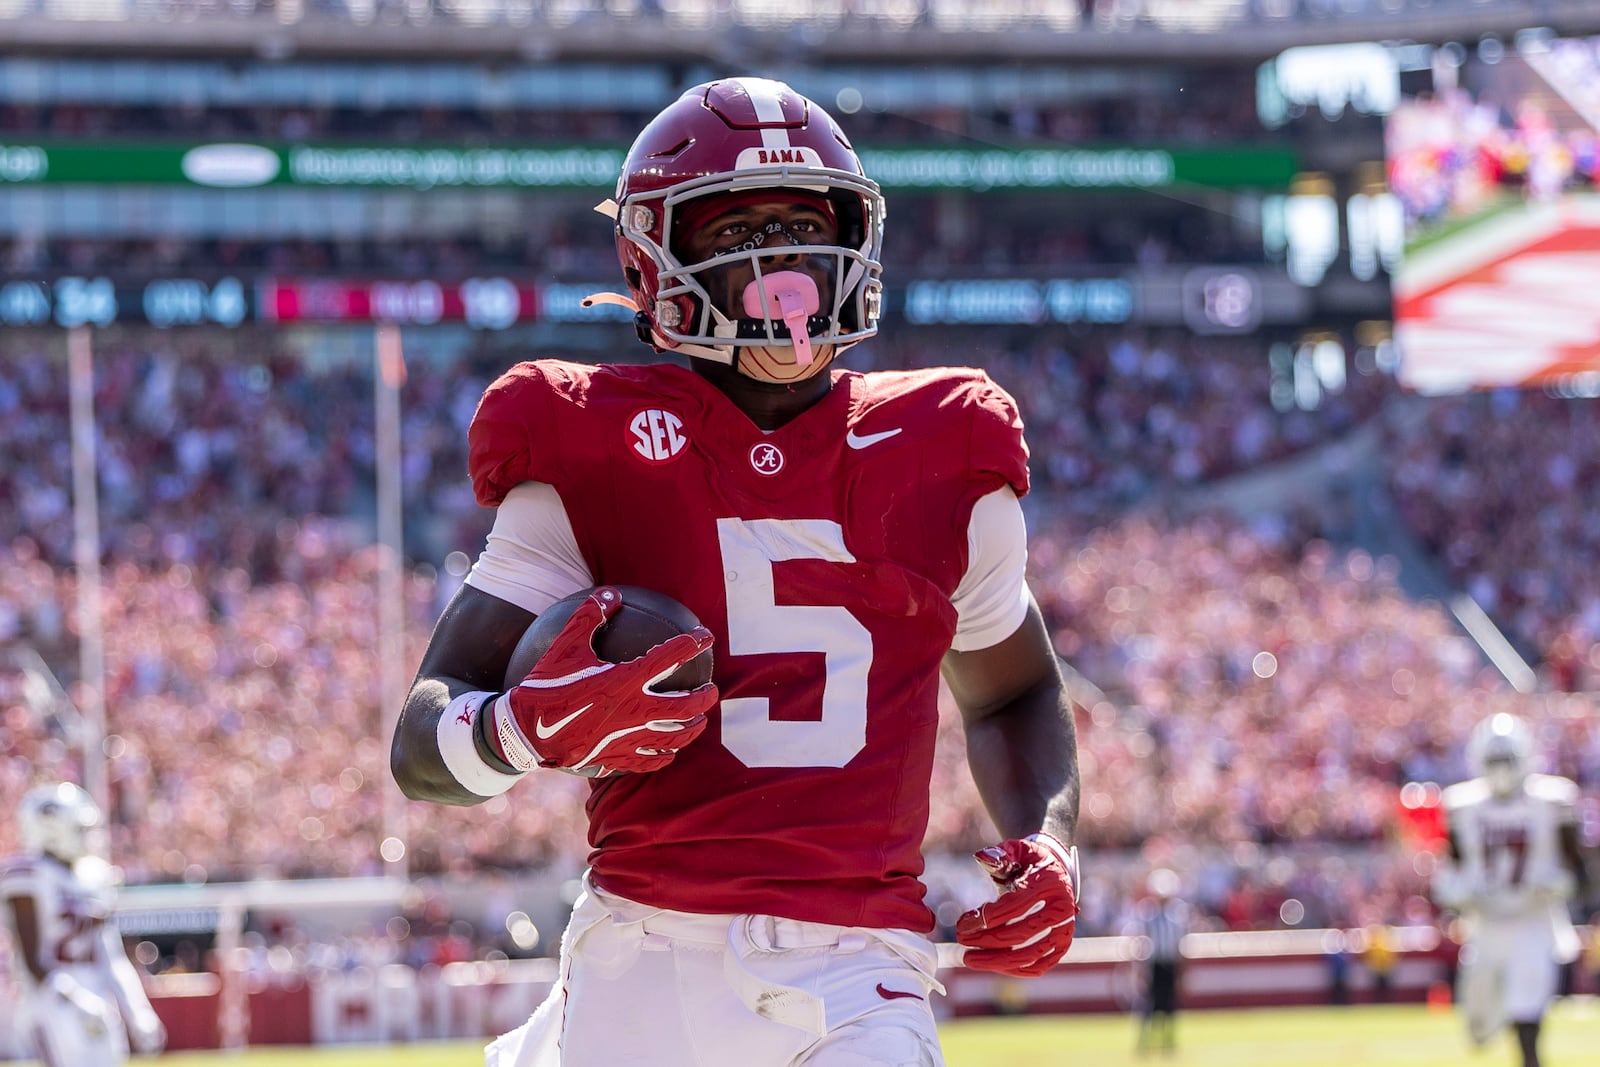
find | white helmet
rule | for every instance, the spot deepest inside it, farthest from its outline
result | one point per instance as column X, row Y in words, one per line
column 57, row 820
column 1501, row 751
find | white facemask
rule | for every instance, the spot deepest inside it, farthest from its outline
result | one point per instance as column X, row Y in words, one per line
column 1504, row 776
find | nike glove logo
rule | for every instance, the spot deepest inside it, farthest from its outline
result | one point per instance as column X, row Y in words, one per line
column 547, row 732
column 855, row 440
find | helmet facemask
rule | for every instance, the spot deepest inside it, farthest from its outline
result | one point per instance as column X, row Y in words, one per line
column 750, row 140
column 697, row 314
column 1501, row 751
column 1505, row 775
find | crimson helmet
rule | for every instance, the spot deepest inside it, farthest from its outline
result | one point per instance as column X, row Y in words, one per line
column 734, row 136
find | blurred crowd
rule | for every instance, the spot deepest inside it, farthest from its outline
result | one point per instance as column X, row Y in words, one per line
column 1264, row 692
column 1452, row 154
column 1498, row 487
column 1256, row 695
column 1026, row 237
column 1108, row 16
column 206, row 449
column 1120, row 415
column 555, row 234
column 1217, row 107
column 246, row 738
column 209, row 438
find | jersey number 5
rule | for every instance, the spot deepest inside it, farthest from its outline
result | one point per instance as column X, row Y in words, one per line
column 758, row 624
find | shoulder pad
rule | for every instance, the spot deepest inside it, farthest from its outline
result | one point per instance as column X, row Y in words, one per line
column 997, row 441
column 1465, row 794
column 1551, row 788
column 515, row 436
column 17, row 875
column 956, row 400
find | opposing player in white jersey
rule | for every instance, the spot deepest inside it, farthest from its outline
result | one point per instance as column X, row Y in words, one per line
column 1515, row 861
column 82, row 1000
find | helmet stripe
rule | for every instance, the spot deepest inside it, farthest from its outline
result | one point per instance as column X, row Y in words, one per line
column 765, row 98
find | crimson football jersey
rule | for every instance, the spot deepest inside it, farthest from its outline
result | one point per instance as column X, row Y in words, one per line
column 823, row 556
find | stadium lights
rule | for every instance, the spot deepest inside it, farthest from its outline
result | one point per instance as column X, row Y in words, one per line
column 1365, row 77
column 1375, row 220
column 1310, row 227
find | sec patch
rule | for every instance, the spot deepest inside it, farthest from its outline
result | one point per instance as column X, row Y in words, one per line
column 656, row 435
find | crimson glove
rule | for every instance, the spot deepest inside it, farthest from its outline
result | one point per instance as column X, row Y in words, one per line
column 1029, row 929
column 576, row 712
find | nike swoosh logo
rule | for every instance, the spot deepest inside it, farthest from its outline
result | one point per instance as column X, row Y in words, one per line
column 855, row 440
column 896, row 994
column 547, row 732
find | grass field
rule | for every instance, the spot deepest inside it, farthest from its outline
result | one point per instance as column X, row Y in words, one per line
column 1409, row 1036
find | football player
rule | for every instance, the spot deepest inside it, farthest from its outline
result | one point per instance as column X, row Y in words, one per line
column 82, row 1000
column 753, row 893
column 1160, row 922
column 1514, row 862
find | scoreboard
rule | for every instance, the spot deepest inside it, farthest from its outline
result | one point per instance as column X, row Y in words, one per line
column 492, row 303
column 1207, row 300
column 484, row 303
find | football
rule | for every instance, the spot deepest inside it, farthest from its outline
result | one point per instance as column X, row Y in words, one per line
column 645, row 619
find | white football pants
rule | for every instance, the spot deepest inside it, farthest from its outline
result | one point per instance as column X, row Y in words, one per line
column 62, row 1036
column 640, row 985
column 1509, row 973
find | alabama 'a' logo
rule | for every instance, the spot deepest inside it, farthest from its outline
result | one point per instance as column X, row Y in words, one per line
column 766, row 458
column 656, row 435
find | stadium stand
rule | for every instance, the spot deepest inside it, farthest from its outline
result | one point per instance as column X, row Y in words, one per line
column 1491, row 483
column 1258, row 686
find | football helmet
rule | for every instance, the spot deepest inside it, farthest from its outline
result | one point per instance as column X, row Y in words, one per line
column 738, row 136
column 1500, row 750
column 58, row 820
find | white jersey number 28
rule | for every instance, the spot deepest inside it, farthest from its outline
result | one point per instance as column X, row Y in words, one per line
column 758, row 624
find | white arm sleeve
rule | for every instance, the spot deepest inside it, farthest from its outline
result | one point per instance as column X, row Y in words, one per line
column 992, row 599
column 532, row 557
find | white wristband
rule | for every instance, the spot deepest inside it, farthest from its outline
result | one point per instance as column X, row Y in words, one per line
column 458, row 747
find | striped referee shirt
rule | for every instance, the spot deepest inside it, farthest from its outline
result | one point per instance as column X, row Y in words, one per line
column 1164, row 926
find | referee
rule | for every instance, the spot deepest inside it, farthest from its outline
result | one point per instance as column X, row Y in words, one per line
column 1160, row 923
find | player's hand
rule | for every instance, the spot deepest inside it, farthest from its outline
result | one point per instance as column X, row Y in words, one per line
column 576, row 712
column 1029, row 929
column 1455, row 890
column 1558, row 887
column 91, row 1008
column 147, row 1034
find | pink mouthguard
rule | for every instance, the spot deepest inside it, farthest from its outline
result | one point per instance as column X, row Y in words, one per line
column 792, row 297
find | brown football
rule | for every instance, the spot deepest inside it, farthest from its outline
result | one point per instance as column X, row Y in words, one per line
column 645, row 619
